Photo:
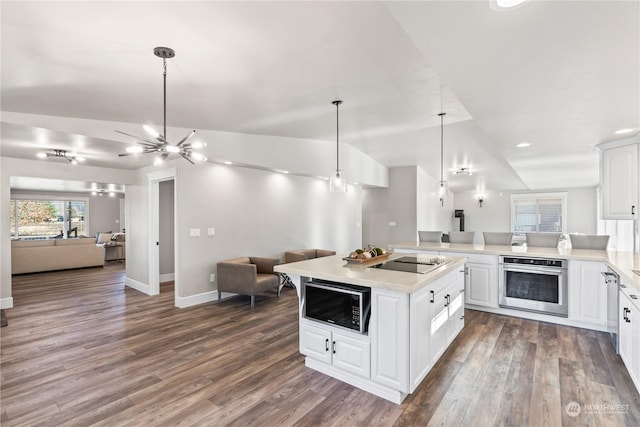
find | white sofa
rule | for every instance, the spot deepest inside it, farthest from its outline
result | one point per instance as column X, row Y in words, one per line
column 31, row 256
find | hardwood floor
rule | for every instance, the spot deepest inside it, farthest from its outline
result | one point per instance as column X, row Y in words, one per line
column 81, row 349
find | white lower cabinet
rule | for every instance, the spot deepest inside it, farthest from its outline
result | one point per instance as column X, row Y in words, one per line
column 437, row 316
column 629, row 321
column 407, row 334
column 481, row 280
column 344, row 352
column 588, row 291
column 389, row 330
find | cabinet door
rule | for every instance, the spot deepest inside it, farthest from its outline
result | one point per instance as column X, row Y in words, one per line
column 630, row 333
column 587, row 293
column 481, row 285
column 351, row 355
column 620, row 182
column 439, row 314
column 634, row 316
column 455, row 307
column 420, row 327
column 315, row 343
column 389, row 333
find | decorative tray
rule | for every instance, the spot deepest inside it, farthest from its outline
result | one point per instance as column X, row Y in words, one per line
column 366, row 260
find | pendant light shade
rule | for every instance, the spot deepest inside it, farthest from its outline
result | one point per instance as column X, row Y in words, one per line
column 338, row 183
column 442, row 189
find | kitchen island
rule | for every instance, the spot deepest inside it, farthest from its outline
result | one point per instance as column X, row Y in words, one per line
column 412, row 320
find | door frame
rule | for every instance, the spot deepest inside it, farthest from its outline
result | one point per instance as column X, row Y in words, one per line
column 154, row 180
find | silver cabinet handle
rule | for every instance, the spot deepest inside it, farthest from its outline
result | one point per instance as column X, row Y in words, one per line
column 333, row 345
column 326, row 344
column 433, row 297
column 633, row 210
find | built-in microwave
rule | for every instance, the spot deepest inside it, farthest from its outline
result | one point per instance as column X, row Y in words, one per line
column 339, row 304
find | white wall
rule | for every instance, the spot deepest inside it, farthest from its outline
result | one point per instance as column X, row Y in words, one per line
column 496, row 210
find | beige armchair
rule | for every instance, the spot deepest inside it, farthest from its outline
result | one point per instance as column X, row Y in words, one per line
column 248, row 276
column 302, row 254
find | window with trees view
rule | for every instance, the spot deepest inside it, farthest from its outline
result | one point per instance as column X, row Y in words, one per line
column 41, row 219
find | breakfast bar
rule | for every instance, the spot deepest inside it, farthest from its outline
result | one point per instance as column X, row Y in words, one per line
column 378, row 325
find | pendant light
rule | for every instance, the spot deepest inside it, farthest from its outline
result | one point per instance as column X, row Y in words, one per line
column 338, row 183
column 158, row 143
column 443, row 188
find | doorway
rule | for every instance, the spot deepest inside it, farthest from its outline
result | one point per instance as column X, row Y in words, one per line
column 162, row 231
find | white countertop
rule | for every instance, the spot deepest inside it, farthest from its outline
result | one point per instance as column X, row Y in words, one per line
column 621, row 262
column 335, row 268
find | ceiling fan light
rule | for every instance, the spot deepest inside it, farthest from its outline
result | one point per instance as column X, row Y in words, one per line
column 172, row 149
column 158, row 161
column 199, row 144
column 199, row 156
column 41, row 155
column 151, row 131
column 134, row 149
column 80, row 159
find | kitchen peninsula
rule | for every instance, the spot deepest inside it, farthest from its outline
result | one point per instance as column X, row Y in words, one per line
column 413, row 317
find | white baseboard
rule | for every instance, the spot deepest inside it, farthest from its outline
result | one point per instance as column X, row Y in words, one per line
column 183, row 302
column 167, row 277
column 6, row 302
column 138, row 286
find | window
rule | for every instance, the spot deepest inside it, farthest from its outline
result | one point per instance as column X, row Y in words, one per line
column 41, row 219
column 539, row 212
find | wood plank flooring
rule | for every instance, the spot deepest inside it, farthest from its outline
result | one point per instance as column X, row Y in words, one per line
column 81, row 350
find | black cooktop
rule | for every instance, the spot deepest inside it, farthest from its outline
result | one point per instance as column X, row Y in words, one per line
column 412, row 264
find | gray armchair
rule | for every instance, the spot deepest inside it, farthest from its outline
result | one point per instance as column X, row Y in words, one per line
column 302, row 254
column 248, row 276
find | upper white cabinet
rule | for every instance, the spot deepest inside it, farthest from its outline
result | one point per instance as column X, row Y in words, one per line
column 619, row 180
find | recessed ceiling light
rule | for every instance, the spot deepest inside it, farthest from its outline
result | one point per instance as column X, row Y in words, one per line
column 228, row 163
column 507, row 4
column 623, row 131
column 523, row 144
column 42, row 155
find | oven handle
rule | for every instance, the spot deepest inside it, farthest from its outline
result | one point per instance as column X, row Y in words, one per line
column 527, row 269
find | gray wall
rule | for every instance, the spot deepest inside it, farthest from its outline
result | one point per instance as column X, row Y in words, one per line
column 496, row 210
column 410, row 202
column 167, row 244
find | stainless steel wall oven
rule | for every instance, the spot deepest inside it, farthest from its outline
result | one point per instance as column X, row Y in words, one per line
column 534, row 284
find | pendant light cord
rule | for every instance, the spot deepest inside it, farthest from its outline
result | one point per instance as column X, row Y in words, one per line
column 337, row 104
column 442, row 146
column 164, row 64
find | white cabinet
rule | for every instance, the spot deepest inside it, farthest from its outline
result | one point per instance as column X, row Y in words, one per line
column 481, row 282
column 588, row 293
column 437, row 316
column 619, row 181
column 389, row 330
column 351, row 354
column 629, row 331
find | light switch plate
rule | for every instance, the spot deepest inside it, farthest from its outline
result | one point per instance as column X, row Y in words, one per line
column 211, row 231
column 194, row 232
column 392, row 223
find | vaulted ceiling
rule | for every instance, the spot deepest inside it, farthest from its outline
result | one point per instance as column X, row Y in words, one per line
column 561, row 75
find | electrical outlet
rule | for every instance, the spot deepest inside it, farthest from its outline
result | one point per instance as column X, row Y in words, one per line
column 212, row 277
column 211, row 231
column 194, row 232
column 392, row 223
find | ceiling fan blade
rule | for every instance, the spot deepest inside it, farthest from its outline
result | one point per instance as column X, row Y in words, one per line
column 187, row 158
column 186, row 138
column 142, row 140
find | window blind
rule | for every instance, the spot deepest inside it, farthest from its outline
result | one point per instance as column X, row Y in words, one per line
column 538, row 212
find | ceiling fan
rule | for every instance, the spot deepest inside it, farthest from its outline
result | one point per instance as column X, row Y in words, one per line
column 158, row 142
column 62, row 154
